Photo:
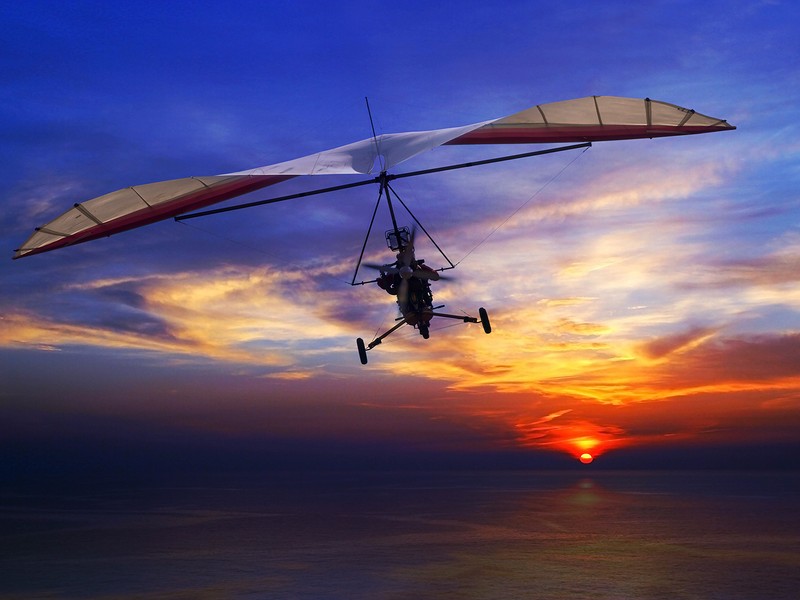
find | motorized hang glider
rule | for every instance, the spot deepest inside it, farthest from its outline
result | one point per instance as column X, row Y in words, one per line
column 590, row 119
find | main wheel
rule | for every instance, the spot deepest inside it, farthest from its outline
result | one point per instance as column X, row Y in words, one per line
column 487, row 327
column 362, row 351
column 424, row 331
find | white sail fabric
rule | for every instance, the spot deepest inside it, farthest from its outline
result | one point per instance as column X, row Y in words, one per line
column 362, row 157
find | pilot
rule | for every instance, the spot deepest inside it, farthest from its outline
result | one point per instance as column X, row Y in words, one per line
column 388, row 282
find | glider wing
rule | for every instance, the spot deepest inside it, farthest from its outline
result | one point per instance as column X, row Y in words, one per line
column 595, row 118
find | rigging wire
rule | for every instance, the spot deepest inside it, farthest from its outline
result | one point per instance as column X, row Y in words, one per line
column 523, row 205
column 375, row 137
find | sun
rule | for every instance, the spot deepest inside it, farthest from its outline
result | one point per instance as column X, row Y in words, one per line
column 586, row 458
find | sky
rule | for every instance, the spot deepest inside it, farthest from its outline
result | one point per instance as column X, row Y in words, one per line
column 644, row 295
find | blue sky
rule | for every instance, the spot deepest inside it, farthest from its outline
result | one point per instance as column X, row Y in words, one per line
column 644, row 296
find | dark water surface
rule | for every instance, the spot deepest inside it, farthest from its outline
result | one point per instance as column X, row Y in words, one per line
column 437, row 535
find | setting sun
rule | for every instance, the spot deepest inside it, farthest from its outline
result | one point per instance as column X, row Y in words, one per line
column 586, row 458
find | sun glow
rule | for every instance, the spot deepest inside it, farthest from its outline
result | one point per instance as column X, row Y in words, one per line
column 585, row 443
column 585, row 448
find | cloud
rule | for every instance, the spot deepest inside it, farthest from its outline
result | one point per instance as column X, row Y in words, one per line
column 36, row 202
column 624, row 184
column 663, row 346
column 763, row 271
column 22, row 329
column 705, row 389
column 554, row 341
column 587, row 329
column 574, row 436
column 761, row 361
column 235, row 314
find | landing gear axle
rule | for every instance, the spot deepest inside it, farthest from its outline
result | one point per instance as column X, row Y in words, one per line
column 363, row 348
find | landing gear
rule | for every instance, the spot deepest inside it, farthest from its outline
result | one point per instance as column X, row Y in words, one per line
column 362, row 351
column 423, row 327
column 487, row 327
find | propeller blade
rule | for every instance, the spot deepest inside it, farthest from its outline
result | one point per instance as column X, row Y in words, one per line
column 402, row 292
column 426, row 274
column 390, row 269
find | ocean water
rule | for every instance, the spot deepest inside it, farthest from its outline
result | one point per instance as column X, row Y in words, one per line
column 693, row 535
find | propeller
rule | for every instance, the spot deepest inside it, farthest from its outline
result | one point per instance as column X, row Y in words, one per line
column 392, row 269
column 403, row 265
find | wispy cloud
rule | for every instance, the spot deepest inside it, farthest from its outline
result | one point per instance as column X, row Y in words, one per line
column 663, row 346
column 235, row 314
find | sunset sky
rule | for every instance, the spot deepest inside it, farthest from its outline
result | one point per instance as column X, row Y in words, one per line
column 644, row 295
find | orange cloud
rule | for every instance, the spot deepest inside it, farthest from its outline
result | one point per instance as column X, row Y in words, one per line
column 584, row 350
column 571, row 436
column 232, row 314
column 661, row 347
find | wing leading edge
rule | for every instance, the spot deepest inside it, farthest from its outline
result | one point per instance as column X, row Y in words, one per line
column 595, row 118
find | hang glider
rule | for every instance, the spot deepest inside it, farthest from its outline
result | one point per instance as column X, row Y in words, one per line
column 590, row 119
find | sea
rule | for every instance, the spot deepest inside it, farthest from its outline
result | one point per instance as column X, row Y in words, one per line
column 409, row 535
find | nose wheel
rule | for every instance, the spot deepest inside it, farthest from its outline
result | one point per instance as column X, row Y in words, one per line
column 362, row 351
column 487, row 327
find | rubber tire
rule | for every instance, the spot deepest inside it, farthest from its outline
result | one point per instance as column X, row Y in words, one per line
column 487, row 327
column 362, row 351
